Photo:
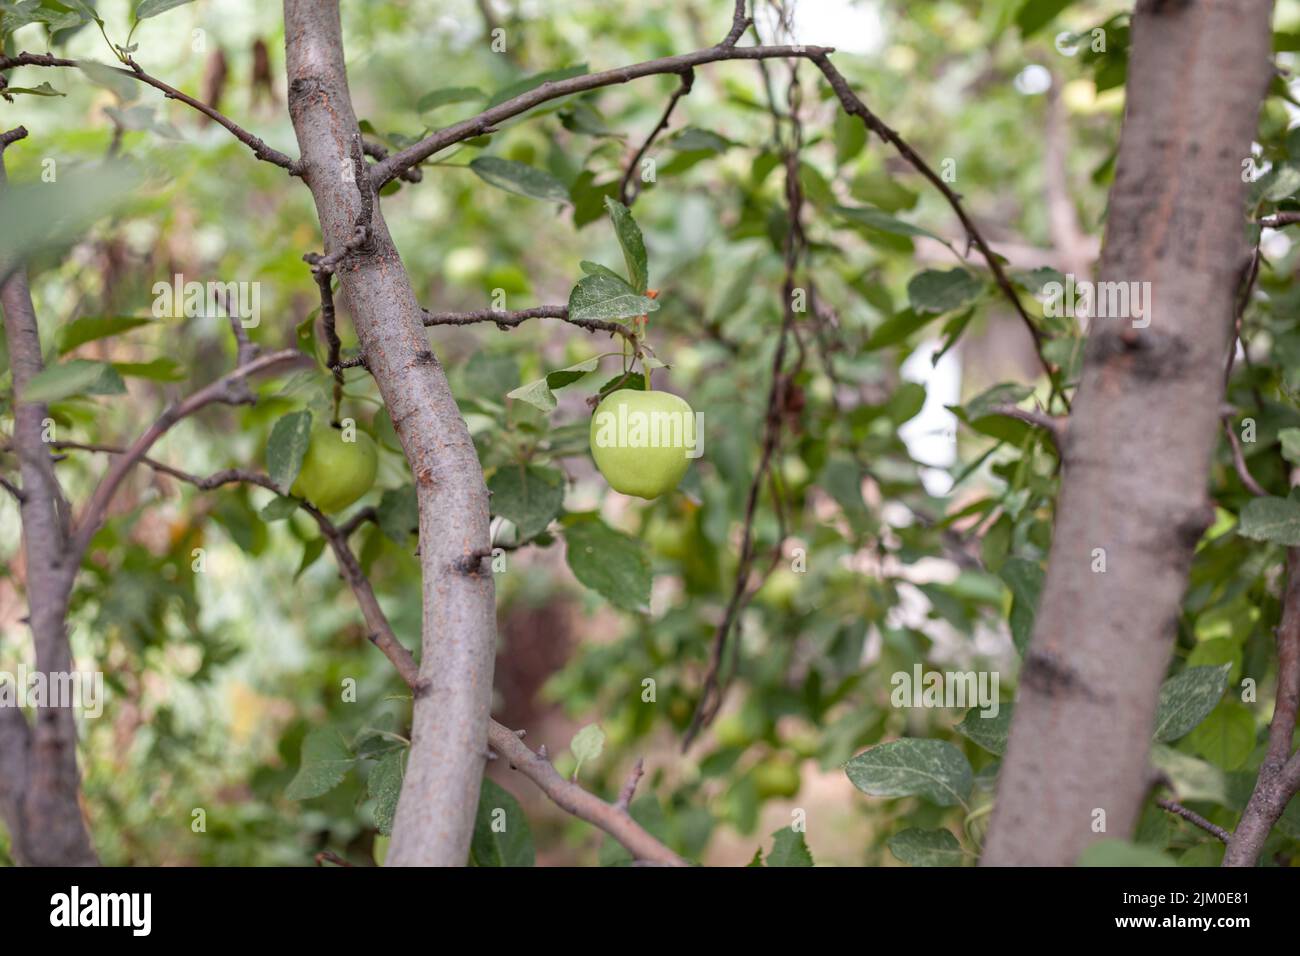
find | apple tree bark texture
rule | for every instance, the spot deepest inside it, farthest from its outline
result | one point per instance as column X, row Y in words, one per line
column 435, row 815
column 39, row 781
column 1141, row 435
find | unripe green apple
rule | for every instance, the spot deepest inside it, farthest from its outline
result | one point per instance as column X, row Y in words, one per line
column 643, row 441
column 777, row 776
column 335, row 472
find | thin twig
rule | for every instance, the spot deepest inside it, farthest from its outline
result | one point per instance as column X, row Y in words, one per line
column 1239, row 460
column 256, row 144
column 739, row 24
column 1178, row 810
column 627, row 195
column 712, row 692
column 489, row 119
column 510, row 319
column 1279, row 775
column 225, row 389
column 612, row 818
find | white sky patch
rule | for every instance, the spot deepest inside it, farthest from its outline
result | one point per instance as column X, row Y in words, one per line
column 931, row 437
column 850, row 27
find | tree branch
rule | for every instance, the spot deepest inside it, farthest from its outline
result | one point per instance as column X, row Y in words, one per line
column 488, row 120
column 612, row 818
column 225, row 389
column 256, row 144
column 1178, row 810
column 510, row 320
column 1279, row 776
column 627, row 195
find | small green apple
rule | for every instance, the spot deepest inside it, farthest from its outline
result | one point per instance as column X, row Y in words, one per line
column 777, row 776
column 643, row 441
column 335, row 472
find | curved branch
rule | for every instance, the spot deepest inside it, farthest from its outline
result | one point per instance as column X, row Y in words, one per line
column 226, row 389
column 487, row 121
column 613, row 818
column 625, row 193
column 260, row 149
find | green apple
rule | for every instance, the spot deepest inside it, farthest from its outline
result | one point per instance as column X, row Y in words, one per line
column 643, row 441
column 777, row 776
column 335, row 472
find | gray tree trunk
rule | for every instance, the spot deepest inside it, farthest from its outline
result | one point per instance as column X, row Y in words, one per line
column 435, row 814
column 39, row 782
column 1141, row 436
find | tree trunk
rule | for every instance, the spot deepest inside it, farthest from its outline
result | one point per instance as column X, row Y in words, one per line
column 39, row 782
column 1140, row 438
column 435, row 814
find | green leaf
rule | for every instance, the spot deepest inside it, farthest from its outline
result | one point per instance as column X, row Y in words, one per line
column 384, row 785
column 519, row 178
column 89, row 328
column 630, row 239
column 1227, row 736
column 325, row 761
column 1290, row 438
column 607, row 297
column 917, row 847
column 528, row 495
column 897, row 328
column 912, row 767
column 445, row 97
column 587, row 744
column 1271, row 519
column 567, row 376
column 609, row 562
column 938, row 292
column 111, row 78
column 311, row 552
column 501, row 833
column 77, row 377
column 43, row 90
column 286, row 447
column 165, row 369
column 692, row 139
column 1282, row 182
column 1121, row 853
column 53, row 218
column 989, row 732
column 399, row 513
column 531, row 82
column 151, row 8
column 1007, row 393
column 883, row 222
column 1033, row 15
column 789, row 848
column 1187, row 699
column 279, row 508
column 850, row 137
column 1025, row 579
column 537, row 394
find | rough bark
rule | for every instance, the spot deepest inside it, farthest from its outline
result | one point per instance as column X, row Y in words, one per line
column 435, row 813
column 41, row 807
column 1141, row 435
